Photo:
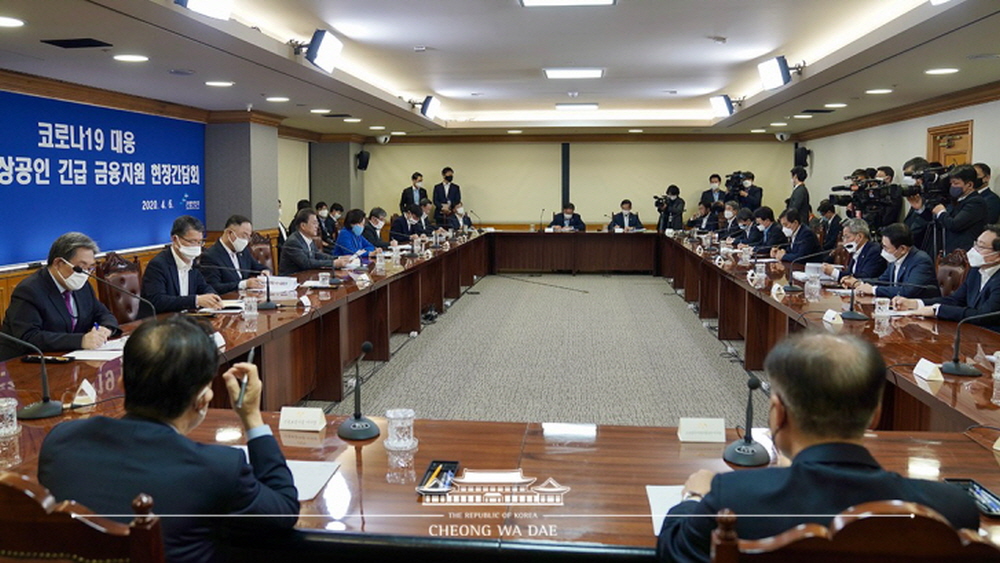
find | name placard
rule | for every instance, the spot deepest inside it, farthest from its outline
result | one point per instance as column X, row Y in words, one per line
column 702, row 430
column 309, row 419
column 928, row 370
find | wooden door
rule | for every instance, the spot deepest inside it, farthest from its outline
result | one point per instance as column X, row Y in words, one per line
column 950, row 144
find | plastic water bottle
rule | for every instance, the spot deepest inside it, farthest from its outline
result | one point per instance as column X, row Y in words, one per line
column 813, row 288
column 996, row 379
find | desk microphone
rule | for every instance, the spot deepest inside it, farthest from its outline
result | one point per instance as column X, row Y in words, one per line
column 956, row 367
column 358, row 427
column 745, row 452
column 46, row 408
column 267, row 305
column 480, row 219
column 79, row 270
column 541, row 217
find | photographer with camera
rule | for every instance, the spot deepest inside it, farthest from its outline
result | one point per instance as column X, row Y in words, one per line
column 750, row 194
column 964, row 220
column 671, row 208
column 919, row 215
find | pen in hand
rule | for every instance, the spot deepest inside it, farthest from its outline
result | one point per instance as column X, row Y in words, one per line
column 243, row 384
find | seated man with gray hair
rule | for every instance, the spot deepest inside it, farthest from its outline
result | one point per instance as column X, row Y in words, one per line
column 55, row 308
column 826, row 390
column 866, row 255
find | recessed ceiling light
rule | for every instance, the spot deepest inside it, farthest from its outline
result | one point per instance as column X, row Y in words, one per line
column 576, row 107
column 377, row 127
column 10, row 22
column 181, row 71
column 939, row 2
column 398, row 133
column 937, row 71
column 758, row 130
column 541, row 3
column 573, row 73
column 514, row 131
column 352, row 120
column 835, row 105
column 320, row 110
column 779, row 124
column 277, row 99
column 219, row 83
column 802, row 116
column 131, row 58
column 419, row 48
column 635, row 130
column 878, row 91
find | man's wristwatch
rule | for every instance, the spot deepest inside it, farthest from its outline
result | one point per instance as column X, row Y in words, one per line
column 691, row 495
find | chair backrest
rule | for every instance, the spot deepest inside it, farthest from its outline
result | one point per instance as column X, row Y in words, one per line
column 916, row 533
column 125, row 274
column 35, row 526
column 840, row 255
column 260, row 249
column 951, row 271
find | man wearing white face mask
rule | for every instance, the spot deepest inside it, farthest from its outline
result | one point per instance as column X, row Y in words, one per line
column 910, row 272
column 751, row 194
column 731, row 226
column 978, row 294
column 170, row 282
column 459, row 219
column 568, row 221
column 222, row 263
column 866, row 256
column 55, row 308
column 373, row 228
column 714, row 192
column 626, row 219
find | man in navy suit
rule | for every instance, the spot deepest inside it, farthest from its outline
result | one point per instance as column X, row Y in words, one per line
column 706, row 219
column 569, row 221
column 770, row 233
column 799, row 198
column 373, row 228
column 750, row 193
column 983, row 172
column 169, row 282
column 221, row 264
column 962, row 221
column 413, row 194
column 103, row 463
column 714, row 192
column 910, row 272
column 626, row 220
column 749, row 234
column 55, row 308
column 459, row 219
column 826, row 391
column 802, row 242
column 831, row 225
column 299, row 253
column 866, row 256
column 979, row 293
column 406, row 227
column 446, row 195
column 730, row 220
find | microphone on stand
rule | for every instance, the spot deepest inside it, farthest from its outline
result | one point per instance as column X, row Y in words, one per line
column 541, row 217
column 746, row 452
column 358, row 427
column 955, row 366
column 851, row 314
column 478, row 218
column 267, row 305
column 789, row 288
column 79, row 270
column 46, row 408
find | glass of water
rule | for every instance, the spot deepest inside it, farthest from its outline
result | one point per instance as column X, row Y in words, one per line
column 400, row 430
column 881, row 306
column 250, row 306
column 8, row 417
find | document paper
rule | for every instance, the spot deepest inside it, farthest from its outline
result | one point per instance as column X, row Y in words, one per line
column 661, row 499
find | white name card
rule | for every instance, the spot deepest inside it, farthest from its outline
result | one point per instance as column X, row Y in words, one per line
column 619, row 230
column 310, row 419
column 928, row 370
column 777, row 292
column 833, row 317
column 702, row 430
column 86, row 394
column 549, row 230
column 301, row 439
column 720, row 261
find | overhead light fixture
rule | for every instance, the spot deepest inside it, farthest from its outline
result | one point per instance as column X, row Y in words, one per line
column 939, row 71
column 323, row 50
column 722, row 106
column 276, row 99
column 352, row 120
column 835, row 105
column 398, row 133
column 219, row 83
column 10, row 22
column 577, row 106
column 218, row 9
column 939, row 2
column 802, row 116
column 566, row 3
column 573, row 73
column 320, row 110
column 775, row 73
column 879, row 91
column 635, row 130
column 779, row 124
column 377, row 127
column 514, row 131
column 758, row 130
column 430, row 107
column 131, row 58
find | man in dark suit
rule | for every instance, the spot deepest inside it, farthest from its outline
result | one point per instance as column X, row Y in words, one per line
column 799, row 200
column 831, row 225
column 103, row 463
column 963, row 220
column 749, row 234
column 404, row 229
column 170, row 282
column 826, row 391
column 751, row 194
column 992, row 200
column 222, row 262
column 730, row 223
column 413, row 194
column 446, row 195
column 425, row 223
column 373, row 228
column 282, row 230
column 770, row 232
column 569, row 221
column 714, row 192
column 459, row 219
column 706, row 219
column 866, row 255
column 910, row 271
column 328, row 217
column 55, row 308
column 625, row 219
column 802, row 242
column 979, row 293
column 299, row 253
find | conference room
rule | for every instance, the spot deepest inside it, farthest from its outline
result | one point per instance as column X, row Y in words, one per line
column 561, row 356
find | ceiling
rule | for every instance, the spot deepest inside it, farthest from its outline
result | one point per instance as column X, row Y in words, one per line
column 663, row 59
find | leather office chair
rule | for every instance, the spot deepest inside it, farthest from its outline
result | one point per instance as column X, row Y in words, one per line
column 124, row 274
column 840, row 255
column 260, row 249
column 36, row 527
column 855, row 536
column 951, row 271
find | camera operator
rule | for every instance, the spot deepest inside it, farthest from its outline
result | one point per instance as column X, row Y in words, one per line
column 992, row 199
column 671, row 208
column 750, row 193
column 919, row 216
column 714, row 192
column 891, row 213
column 965, row 219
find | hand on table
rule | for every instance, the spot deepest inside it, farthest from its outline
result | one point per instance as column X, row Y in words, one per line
column 95, row 338
column 208, row 301
column 699, row 483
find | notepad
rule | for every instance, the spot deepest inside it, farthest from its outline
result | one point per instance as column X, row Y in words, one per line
column 95, row 355
column 661, row 499
column 309, row 476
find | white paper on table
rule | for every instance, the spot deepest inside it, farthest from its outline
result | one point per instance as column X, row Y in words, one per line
column 309, row 476
column 282, row 283
column 895, row 313
column 95, row 355
column 764, row 260
column 840, row 291
column 801, row 276
column 316, row 284
column 661, row 499
column 116, row 344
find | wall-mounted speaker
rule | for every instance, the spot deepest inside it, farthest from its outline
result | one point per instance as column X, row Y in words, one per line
column 801, row 156
column 363, row 158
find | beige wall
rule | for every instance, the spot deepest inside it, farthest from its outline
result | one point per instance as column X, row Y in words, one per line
column 293, row 176
column 512, row 183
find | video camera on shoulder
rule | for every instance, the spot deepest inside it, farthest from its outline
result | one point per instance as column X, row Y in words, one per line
column 932, row 184
column 734, row 184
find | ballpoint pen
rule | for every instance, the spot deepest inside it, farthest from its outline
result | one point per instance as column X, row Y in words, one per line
column 243, row 384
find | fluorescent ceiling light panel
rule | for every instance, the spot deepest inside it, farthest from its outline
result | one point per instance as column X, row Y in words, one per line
column 10, row 22
column 722, row 106
column 219, row 83
column 398, row 133
column 758, row 130
column 324, row 50
column 576, row 107
column 779, row 124
column 277, row 99
column 774, row 73
column 218, row 9
column 131, row 58
column 320, row 110
column 377, row 127
column 878, row 91
column 573, row 73
column 835, row 105
column 514, row 131
column 352, row 120
column 635, row 130
column 938, row 71
column 541, row 3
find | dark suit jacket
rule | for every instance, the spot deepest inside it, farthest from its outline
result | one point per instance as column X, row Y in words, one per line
column 453, row 196
column 963, row 222
column 968, row 300
column 672, row 215
column 401, row 230
column 917, row 223
column 282, row 234
column 700, row 222
column 224, row 281
column 298, row 256
column 161, row 286
column 38, row 314
column 753, row 198
column 770, row 238
column 750, row 237
column 992, row 206
column 917, row 269
column 425, row 226
column 831, row 232
column 803, row 243
column 455, row 224
column 730, row 228
column 868, row 264
column 373, row 236
column 708, row 198
column 406, row 198
column 618, row 220
column 576, row 222
column 800, row 200
column 104, row 463
column 328, row 229
column 823, row 479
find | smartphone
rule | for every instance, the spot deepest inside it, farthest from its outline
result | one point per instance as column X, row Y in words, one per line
column 988, row 503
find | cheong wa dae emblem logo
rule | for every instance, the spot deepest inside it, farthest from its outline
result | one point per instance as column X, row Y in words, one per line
column 477, row 487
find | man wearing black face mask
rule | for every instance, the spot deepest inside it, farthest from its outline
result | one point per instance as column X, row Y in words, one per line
column 963, row 220
column 446, row 195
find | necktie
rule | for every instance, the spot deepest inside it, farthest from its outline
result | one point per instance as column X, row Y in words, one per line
column 68, row 298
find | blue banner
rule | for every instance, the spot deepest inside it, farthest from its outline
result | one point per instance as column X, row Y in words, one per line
column 120, row 177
